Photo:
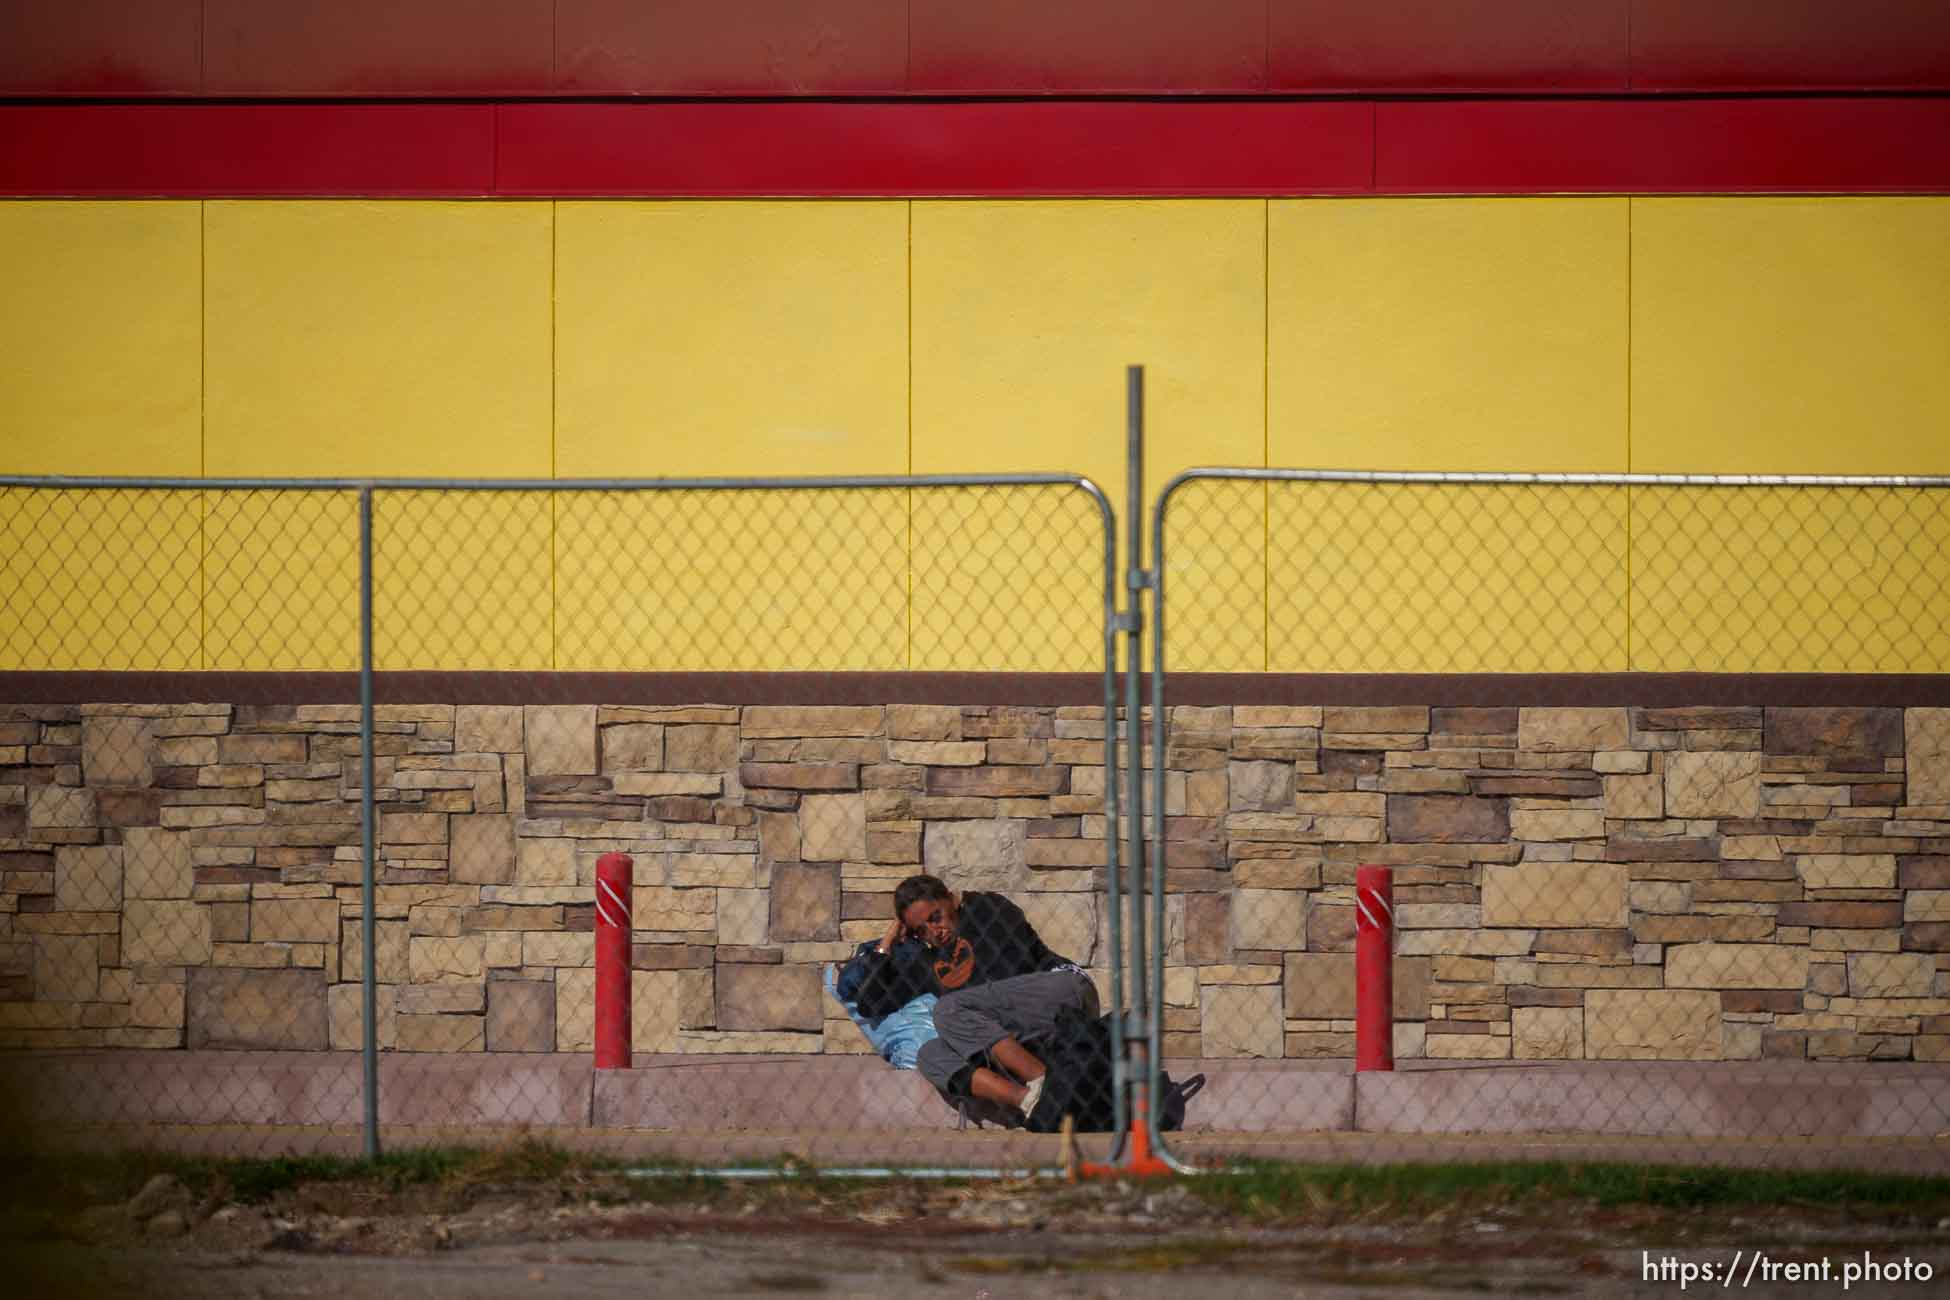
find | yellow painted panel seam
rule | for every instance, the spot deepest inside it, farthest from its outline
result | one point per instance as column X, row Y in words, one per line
column 910, row 433
column 1266, row 430
column 554, row 441
column 1631, row 654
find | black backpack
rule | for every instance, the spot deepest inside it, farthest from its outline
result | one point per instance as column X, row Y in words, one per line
column 1079, row 1080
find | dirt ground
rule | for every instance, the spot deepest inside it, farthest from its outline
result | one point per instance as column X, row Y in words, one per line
column 606, row 1235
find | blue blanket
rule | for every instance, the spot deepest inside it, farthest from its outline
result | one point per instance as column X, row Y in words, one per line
column 898, row 1035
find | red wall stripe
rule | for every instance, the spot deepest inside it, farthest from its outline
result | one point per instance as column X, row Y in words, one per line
column 1448, row 45
column 100, row 47
column 137, row 150
column 1637, row 146
column 985, row 148
column 1035, row 47
column 1725, row 45
column 377, row 47
column 350, row 48
column 752, row 47
column 1050, row 147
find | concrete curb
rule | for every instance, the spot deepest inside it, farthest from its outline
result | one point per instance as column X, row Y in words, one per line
column 726, row 1095
column 1751, row 1099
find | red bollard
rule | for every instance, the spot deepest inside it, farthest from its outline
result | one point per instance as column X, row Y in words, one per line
column 1374, row 969
column 613, row 961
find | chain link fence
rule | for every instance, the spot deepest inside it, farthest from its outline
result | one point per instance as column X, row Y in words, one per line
column 1700, row 912
column 263, row 925
column 767, row 841
column 169, row 868
column 1714, row 919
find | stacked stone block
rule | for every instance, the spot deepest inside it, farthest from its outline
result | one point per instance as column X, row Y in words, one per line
column 1605, row 883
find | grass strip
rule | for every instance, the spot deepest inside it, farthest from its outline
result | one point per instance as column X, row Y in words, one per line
column 78, row 1177
column 1253, row 1189
column 1280, row 1189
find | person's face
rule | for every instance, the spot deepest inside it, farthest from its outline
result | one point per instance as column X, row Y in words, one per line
column 931, row 920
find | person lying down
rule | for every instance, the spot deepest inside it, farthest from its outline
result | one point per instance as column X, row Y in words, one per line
column 898, row 1035
column 956, row 988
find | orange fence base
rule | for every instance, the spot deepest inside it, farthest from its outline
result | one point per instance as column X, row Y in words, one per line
column 1139, row 1160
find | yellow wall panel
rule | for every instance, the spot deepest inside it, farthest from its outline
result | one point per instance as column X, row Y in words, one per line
column 1790, row 579
column 1026, row 314
column 100, row 338
column 1791, row 335
column 1447, row 334
column 420, row 338
column 1008, row 579
column 705, row 339
column 1446, row 578
column 1384, row 577
column 367, row 338
column 731, row 581
column 1215, row 577
column 755, row 338
column 102, row 580
column 463, row 580
column 281, row 581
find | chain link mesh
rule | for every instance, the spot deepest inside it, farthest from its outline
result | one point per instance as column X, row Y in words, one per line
column 101, row 579
column 1693, row 931
column 169, row 869
column 766, row 842
column 1721, row 926
column 183, row 952
column 1791, row 579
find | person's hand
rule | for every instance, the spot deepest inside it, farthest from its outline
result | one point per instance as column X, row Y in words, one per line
column 892, row 937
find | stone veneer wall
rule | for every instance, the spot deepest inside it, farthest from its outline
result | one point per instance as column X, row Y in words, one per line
column 1672, row 883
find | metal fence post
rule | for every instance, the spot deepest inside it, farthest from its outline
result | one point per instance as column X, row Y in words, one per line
column 368, row 837
column 1154, row 1077
column 1132, row 624
column 1147, row 990
column 1113, row 866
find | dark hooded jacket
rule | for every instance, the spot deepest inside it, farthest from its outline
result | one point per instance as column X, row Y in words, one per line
column 993, row 941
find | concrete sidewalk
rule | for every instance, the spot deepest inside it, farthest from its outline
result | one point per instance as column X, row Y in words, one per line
column 743, row 1107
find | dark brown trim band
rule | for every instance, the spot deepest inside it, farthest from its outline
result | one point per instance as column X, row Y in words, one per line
column 1565, row 690
column 1649, row 690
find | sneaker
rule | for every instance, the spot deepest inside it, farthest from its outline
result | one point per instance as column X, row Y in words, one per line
column 1033, row 1094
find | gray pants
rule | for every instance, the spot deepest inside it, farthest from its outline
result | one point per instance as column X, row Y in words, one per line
column 973, row 1020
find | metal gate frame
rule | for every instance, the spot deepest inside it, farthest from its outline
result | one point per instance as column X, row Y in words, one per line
column 366, row 489
column 1151, row 856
